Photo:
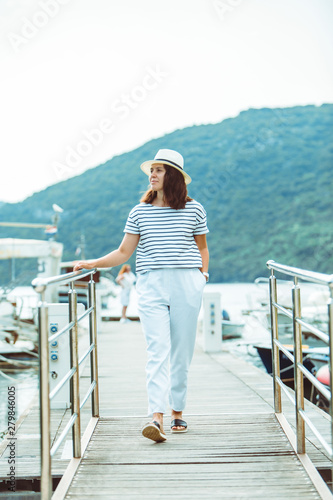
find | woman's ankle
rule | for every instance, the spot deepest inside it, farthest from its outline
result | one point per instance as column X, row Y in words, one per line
column 176, row 414
column 158, row 417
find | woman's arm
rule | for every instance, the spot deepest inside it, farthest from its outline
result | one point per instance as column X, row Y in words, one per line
column 115, row 258
column 201, row 242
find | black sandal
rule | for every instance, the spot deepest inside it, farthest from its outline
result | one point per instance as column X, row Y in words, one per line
column 178, row 423
column 153, row 431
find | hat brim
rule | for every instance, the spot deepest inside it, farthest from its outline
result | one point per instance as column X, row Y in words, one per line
column 145, row 167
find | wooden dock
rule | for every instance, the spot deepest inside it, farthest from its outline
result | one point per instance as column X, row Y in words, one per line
column 235, row 446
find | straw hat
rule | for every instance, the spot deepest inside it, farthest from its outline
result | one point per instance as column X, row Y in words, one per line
column 167, row 157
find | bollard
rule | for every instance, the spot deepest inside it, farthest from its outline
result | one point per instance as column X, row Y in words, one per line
column 212, row 322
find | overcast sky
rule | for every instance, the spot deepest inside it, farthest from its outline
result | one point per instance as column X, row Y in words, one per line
column 84, row 80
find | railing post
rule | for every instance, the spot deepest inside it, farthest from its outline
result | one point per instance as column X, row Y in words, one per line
column 330, row 333
column 298, row 375
column 75, row 389
column 44, row 400
column 93, row 354
column 275, row 349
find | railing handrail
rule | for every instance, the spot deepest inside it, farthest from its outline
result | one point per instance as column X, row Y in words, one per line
column 299, row 369
column 40, row 284
column 72, row 376
column 319, row 278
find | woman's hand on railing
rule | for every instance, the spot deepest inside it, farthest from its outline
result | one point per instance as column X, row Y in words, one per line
column 84, row 264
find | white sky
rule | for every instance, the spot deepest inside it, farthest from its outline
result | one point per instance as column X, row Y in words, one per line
column 138, row 69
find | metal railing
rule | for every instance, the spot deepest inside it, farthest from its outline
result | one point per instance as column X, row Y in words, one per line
column 47, row 452
column 297, row 358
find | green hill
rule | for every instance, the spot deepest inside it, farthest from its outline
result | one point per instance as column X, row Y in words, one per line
column 264, row 177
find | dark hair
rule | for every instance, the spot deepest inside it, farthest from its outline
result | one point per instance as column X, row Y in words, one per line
column 174, row 189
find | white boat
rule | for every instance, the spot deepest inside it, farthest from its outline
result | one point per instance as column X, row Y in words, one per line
column 22, row 354
column 232, row 329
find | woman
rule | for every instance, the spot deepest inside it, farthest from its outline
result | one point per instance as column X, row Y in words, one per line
column 125, row 279
column 169, row 229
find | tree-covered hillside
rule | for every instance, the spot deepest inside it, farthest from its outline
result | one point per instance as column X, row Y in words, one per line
column 264, row 177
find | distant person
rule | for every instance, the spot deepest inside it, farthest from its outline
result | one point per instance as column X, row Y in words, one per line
column 169, row 228
column 126, row 280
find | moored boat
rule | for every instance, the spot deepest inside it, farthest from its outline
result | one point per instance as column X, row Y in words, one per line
column 22, row 354
column 313, row 359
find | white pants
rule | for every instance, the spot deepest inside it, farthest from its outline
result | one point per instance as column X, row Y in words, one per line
column 169, row 302
column 124, row 296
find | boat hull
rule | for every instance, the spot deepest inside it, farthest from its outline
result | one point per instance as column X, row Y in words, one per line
column 286, row 366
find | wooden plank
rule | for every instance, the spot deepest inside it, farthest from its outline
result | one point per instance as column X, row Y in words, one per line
column 232, row 456
column 261, row 383
column 316, row 479
column 67, row 478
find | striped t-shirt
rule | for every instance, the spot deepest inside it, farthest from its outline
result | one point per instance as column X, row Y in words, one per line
column 167, row 235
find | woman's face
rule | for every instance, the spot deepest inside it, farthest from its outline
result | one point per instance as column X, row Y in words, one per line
column 156, row 177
